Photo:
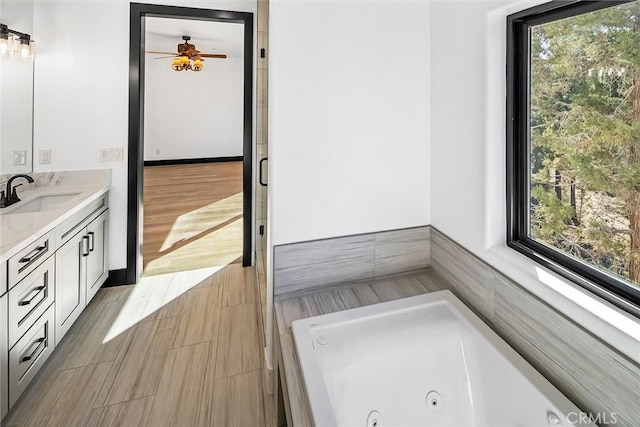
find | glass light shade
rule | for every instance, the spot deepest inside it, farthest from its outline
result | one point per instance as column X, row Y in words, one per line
column 25, row 52
column 175, row 65
column 14, row 46
column 5, row 44
column 197, row 65
column 184, row 60
column 32, row 49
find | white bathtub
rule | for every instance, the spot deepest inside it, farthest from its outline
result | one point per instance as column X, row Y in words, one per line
column 420, row 361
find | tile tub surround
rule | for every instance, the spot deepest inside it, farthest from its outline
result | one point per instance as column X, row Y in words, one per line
column 337, row 299
column 305, row 266
column 593, row 375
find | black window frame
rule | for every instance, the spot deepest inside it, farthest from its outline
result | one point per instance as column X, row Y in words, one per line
column 518, row 76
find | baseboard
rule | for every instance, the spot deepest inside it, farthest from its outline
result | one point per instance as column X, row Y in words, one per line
column 116, row 278
column 192, row 161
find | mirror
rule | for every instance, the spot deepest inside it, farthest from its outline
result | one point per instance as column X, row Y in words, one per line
column 16, row 116
column 16, row 96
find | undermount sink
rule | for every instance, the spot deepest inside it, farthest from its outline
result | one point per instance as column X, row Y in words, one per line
column 42, row 203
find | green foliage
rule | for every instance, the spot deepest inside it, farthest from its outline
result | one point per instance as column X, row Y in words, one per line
column 585, row 135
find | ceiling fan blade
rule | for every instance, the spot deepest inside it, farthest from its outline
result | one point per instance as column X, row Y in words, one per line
column 164, row 57
column 162, row 53
column 212, row 55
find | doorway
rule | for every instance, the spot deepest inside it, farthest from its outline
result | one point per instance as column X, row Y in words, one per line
column 139, row 13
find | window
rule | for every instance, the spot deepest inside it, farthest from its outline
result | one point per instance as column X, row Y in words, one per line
column 573, row 143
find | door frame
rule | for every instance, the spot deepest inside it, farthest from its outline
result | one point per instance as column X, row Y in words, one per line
column 138, row 12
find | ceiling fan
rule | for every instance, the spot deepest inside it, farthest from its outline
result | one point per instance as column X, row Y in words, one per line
column 187, row 57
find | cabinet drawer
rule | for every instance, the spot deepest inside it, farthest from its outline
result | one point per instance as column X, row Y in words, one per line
column 71, row 226
column 30, row 298
column 29, row 354
column 25, row 261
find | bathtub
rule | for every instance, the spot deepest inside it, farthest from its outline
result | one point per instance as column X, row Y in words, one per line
column 421, row 361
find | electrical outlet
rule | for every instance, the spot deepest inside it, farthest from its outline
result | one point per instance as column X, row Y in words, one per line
column 111, row 154
column 19, row 157
column 45, row 157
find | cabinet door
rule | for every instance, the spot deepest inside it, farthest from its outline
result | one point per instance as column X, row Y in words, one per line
column 4, row 359
column 97, row 270
column 70, row 282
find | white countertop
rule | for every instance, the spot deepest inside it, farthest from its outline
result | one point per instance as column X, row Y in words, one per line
column 18, row 230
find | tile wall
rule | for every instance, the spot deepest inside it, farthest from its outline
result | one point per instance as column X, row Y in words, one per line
column 593, row 375
column 305, row 266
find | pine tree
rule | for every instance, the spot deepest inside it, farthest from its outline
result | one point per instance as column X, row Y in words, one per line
column 585, row 137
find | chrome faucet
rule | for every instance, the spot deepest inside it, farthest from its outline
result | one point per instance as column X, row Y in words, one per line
column 9, row 196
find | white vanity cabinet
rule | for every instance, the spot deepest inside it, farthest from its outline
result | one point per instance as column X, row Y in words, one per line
column 81, row 268
column 49, row 282
column 4, row 355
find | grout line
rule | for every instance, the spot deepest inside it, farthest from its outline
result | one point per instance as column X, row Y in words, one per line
column 194, row 344
column 123, row 402
column 116, row 366
column 235, row 375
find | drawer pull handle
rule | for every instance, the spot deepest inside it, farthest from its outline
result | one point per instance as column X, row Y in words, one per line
column 31, row 256
column 41, row 342
column 28, row 301
column 93, row 241
column 85, row 249
column 263, row 183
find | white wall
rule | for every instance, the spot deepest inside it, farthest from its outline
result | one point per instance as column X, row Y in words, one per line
column 81, row 91
column 348, row 118
column 459, row 144
column 468, row 201
column 194, row 115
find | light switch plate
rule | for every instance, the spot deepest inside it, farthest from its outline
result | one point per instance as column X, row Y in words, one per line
column 19, row 157
column 111, row 154
column 45, row 157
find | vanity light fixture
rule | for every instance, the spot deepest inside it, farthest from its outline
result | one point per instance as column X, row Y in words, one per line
column 6, row 42
column 16, row 44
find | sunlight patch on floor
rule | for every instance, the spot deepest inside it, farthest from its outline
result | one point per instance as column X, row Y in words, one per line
column 154, row 293
column 198, row 221
column 219, row 247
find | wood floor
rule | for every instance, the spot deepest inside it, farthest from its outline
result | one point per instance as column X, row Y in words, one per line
column 179, row 349
column 192, row 216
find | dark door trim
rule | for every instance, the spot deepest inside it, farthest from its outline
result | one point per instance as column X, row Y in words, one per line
column 138, row 12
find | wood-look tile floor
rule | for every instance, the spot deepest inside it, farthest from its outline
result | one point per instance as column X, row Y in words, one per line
column 180, row 349
column 192, row 216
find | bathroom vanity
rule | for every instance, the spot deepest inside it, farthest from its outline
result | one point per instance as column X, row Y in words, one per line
column 53, row 259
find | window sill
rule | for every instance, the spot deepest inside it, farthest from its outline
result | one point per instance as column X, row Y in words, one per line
column 617, row 328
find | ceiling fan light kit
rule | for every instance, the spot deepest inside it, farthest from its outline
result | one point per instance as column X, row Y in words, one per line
column 188, row 57
column 184, row 63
